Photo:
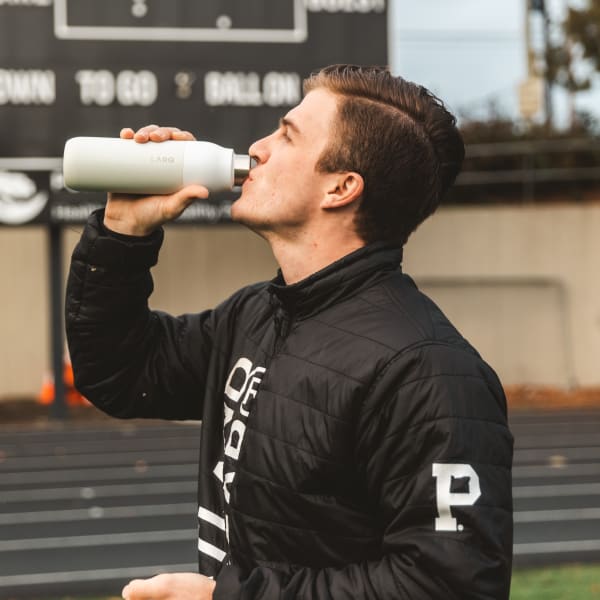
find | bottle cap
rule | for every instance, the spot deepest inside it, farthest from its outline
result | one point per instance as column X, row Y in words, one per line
column 242, row 163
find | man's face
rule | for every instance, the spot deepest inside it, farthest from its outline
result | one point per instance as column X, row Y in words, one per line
column 284, row 190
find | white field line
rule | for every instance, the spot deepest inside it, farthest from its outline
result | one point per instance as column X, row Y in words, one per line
column 546, row 471
column 72, row 461
column 99, row 540
column 98, row 512
column 556, row 547
column 70, row 447
column 549, row 491
column 542, row 456
column 558, row 515
column 98, row 474
column 98, row 491
column 28, row 579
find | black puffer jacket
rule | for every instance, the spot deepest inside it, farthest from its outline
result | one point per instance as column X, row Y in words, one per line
column 353, row 444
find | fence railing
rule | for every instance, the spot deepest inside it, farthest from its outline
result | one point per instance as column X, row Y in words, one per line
column 528, row 170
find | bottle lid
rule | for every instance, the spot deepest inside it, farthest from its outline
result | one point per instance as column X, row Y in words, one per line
column 242, row 163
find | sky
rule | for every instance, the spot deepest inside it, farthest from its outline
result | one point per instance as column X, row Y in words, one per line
column 471, row 53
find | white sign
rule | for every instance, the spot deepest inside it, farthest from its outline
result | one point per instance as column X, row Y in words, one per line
column 347, row 6
column 20, row 200
column 27, row 87
column 128, row 88
column 248, row 89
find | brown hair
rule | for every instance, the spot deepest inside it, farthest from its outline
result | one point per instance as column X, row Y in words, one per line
column 399, row 137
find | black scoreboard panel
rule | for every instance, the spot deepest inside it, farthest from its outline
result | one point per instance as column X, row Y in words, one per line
column 224, row 69
column 207, row 20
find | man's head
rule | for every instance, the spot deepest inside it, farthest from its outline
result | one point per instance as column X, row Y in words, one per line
column 399, row 137
column 285, row 197
column 365, row 154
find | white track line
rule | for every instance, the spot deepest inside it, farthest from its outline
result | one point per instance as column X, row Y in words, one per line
column 97, row 512
column 99, row 540
column 557, row 547
column 94, row 575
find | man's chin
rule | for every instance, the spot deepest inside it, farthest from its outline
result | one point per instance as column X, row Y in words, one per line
column 247, row 219
column 239, row 213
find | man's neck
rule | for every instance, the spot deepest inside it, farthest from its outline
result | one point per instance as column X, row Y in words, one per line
column 306, row 256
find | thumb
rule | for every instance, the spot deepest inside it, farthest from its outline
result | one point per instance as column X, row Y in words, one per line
column 175, row 204
column 137, row 589
column 191, row 192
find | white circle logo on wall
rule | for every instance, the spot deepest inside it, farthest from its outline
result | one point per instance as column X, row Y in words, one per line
column 20, row 201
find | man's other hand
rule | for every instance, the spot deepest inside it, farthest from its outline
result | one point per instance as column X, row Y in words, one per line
column 170, row 586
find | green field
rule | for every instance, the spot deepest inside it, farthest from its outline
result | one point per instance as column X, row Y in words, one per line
column 577, row 582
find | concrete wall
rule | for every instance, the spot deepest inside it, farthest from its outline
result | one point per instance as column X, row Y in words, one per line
column 24, row 330
column 199, row 267
column 520, row 282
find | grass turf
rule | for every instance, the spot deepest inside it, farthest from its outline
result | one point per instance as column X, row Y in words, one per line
column 573, row 582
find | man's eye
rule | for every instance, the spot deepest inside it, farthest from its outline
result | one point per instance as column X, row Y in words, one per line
column 284, row 133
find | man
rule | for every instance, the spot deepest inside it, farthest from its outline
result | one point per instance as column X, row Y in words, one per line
column 354, row 445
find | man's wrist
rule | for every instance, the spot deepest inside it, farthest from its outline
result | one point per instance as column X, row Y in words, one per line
column 126, row 229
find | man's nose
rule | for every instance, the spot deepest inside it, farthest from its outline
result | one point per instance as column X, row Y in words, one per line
column 259, row 150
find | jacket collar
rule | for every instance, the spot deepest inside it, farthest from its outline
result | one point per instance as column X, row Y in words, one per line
column 341, row 279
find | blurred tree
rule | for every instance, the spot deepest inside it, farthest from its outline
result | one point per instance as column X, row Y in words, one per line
column 512, row 160
column 582, row 28
column 577, row 43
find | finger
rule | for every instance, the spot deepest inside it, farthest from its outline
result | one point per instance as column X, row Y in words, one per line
column 160, row 134
column 169, row 133
column 127, row 133
column 154, row 588
column 134, row 590
column 143, row 134
column 183, row 135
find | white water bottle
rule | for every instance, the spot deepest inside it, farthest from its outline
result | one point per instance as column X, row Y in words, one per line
column 125, row 166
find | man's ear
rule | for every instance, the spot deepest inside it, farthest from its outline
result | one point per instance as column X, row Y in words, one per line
column 343, row 190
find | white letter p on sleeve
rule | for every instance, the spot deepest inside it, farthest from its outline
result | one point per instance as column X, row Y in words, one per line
column 446, row 498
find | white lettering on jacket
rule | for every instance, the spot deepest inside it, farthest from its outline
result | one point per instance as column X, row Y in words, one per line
column 446, row 498
column 240, row 389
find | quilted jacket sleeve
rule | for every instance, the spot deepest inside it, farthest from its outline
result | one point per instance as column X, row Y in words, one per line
column 128, row 360
column 435, row 453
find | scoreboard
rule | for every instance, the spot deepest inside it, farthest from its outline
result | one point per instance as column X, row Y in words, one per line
column 224, row 69
column 182, row 20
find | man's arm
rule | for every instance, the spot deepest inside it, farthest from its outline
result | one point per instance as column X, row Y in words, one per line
column 130, row 361
column 127, row 360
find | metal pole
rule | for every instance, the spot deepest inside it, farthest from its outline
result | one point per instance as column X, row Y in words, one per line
column 548, row 82
column 58, row 409
column 528, row 49
column 539, row 6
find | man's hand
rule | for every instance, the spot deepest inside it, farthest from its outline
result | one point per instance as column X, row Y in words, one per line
column 141, row 215
column 170, row 586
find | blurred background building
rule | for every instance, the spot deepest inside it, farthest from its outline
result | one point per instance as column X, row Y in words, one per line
column 512, row 256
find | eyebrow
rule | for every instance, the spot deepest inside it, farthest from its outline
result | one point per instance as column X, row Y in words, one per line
column 285, row 122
